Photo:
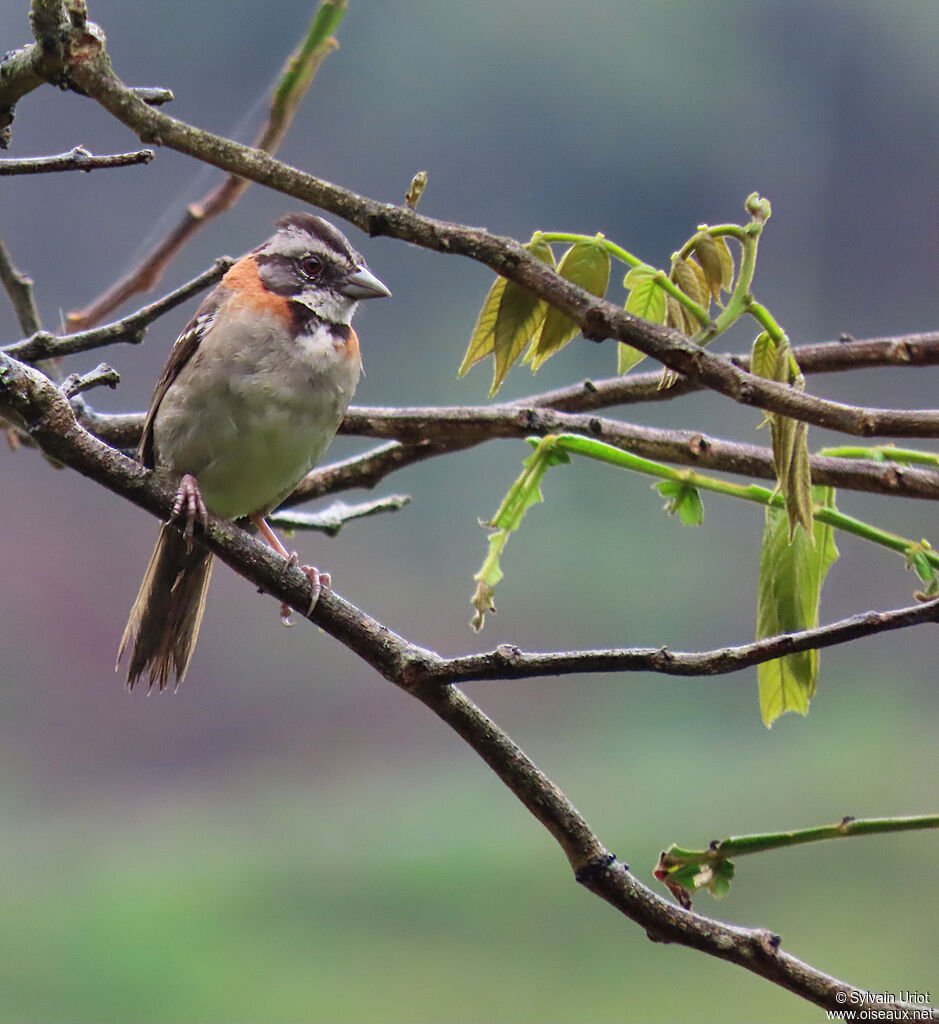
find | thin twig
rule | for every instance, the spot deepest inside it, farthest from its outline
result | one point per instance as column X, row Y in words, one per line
column 298, row 73
column 19, row 287
column 77, row 159
column 131, row 328
column 101, row 376
column 331, row 519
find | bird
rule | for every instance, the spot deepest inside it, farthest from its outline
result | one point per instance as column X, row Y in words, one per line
column 251, row 397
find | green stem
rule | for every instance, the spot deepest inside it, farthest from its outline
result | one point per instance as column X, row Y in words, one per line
column 884, row 453
column 602, row 452
column 736, row 846
column 611, row 247
column 765, row 319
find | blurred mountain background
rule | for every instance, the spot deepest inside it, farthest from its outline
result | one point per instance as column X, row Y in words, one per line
column 290, row 838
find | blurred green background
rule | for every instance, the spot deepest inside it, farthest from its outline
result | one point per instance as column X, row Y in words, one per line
column 289, row 838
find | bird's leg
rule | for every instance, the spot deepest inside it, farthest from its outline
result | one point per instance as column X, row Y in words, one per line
column 189, row 505
column 318, row 580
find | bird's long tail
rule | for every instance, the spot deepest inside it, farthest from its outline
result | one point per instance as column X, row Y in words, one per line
column 164, row 621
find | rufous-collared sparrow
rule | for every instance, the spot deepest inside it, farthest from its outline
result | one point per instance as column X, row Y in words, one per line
column 252, row 395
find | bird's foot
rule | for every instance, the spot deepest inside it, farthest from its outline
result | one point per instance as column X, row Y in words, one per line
column 319, row 581
column 190, row 506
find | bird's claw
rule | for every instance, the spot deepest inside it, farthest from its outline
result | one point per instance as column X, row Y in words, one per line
column 189, row 505
column 319, row 581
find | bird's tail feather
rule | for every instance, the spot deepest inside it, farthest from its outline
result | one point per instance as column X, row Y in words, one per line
column 164, row 621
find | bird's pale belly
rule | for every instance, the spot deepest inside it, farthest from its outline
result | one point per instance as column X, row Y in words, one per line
column 249, row 450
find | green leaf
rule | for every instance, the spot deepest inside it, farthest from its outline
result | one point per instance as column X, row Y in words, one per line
column 917, row 559
column 798, row 487
column 706, row 251
column 728, row 270
column 685, row 277
column 790, row 583
column 683, row 501
column 518, row 319
column 684, row 878
column 647, row 299
column 587, row 264
column 497, row 312
column 482, row 340
column 763, row 356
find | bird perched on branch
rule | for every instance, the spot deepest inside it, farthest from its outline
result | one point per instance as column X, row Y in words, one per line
column 251, row 397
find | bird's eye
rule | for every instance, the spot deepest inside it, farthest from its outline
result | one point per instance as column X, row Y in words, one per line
column 310, row 266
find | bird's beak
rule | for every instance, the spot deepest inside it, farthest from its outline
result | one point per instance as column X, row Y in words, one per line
column 363, row 284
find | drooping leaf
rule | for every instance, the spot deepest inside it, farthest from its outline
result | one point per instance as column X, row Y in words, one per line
column 706, row 251
column 772, row 359
column 482, row 340
column 790, row 582
column 704, row 288
column 587, row 264
column 728, row 271
column 674, row 313
column 519, row 317
column 798, row 487
column 686, row 279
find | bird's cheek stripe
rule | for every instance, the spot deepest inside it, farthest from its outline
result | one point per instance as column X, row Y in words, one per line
column 249, row 292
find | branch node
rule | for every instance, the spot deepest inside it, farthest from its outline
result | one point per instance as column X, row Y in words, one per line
column 768, row 941
column 595, row 869
column 377, row 225
column 595, row 325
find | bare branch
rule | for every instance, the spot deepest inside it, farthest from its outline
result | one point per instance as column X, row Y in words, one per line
column 921, row 349
column 508, row 662
column 131, row 328
column 77, row 159
column 19, row 287
column 101, row 376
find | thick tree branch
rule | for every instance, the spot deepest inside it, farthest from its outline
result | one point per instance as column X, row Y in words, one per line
column 77, row 159
column 45, row 413
column 598, row 319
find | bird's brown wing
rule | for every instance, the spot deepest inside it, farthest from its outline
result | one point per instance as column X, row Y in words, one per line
column 184, row 349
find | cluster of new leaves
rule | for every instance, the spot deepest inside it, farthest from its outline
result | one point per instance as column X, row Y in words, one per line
column 511, row 317
column 686, row 871
column 798, row 543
